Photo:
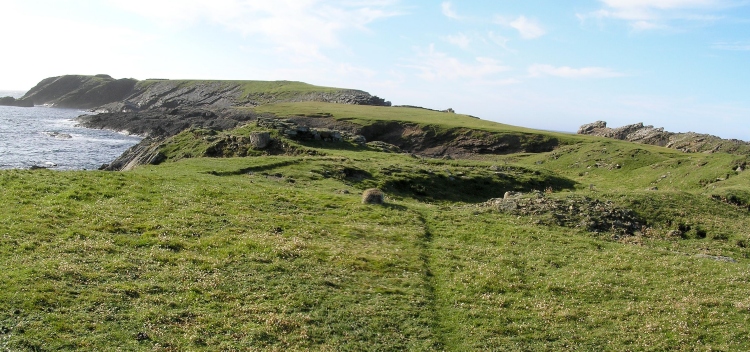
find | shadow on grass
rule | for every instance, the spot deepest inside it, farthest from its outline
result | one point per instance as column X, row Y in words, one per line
column 471, row 189
column 395, row 207
column 254, row 168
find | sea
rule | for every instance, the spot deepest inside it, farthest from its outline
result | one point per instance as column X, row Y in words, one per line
column 51, row 138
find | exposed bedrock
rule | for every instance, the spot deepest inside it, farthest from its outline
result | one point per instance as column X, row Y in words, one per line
column 106, row 94
column 686, row 142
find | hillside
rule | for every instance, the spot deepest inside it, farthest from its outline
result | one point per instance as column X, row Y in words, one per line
column 242, row 228
column 107, row 94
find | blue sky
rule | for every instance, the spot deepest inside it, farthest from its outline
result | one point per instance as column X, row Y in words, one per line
column 679, row 64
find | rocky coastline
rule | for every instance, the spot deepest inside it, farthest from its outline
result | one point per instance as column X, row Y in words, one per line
column 158, row 108
column 102, row 93
column 11, row 101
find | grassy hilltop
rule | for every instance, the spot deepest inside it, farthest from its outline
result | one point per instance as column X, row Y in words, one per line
column 225, row 247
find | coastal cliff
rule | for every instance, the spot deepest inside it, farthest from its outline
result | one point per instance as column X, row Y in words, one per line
column 106, row 94
column 80, row 92
column 159, row 109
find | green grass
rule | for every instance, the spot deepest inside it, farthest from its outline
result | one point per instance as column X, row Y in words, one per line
column 263, row 90
column 276, row 252
column 367, row 115
column 272, row 255
column 504, row 284
column 201, row 260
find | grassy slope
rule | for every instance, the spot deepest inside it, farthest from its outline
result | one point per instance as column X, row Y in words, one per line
column 268, row 253
column 279, row 90
column 367, row 115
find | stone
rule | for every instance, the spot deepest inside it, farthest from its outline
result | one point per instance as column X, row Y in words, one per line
column 674, row 233
column 588, row 128
column 260, row 140
column 511, row 195
column 359, row 139
column 592, row 214
column 508, row 205
column 384, row 147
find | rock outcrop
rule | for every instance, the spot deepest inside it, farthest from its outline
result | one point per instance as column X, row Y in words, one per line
column 167, row 123
column 576, row 212
column 106, row 94
column 686, row 142
column 80, row 92
column 11, row 101
column 144, row 153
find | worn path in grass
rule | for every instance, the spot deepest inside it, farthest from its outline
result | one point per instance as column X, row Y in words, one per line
column 271, row 253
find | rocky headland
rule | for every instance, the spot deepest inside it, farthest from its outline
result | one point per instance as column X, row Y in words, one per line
column 158, row 109
column 103, row 93
column 11, row 101
column 689, row 142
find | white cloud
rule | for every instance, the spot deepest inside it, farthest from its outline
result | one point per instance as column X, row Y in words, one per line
column 646, row 26
column 529, row 29
column 500, row 41
column 434, row 65
column 732, row 46
column 299, row 28
column 460, row 40
column 539, row 70
column 448, row 10
column 659, row 4
column 643, row 15
column 526, row 27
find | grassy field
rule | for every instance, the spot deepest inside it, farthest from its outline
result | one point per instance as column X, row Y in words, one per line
column 226, row 248
column 278, row 253
column 367, row 115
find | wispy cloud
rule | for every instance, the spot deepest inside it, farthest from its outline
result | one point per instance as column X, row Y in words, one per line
column 448, row 10
column 539, row 70
column 732, row 46
column 646, row 15
column 295, row 27
column 528, row 28
column 500, row 41
column 460, row 40
column 434, row 65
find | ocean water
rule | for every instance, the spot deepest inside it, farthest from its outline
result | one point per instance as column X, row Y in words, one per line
column 49, row 137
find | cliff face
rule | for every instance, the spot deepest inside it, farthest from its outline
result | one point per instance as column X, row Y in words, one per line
column 11, row 101
column 106, row 94
column 687, row 142
column 82, row 92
